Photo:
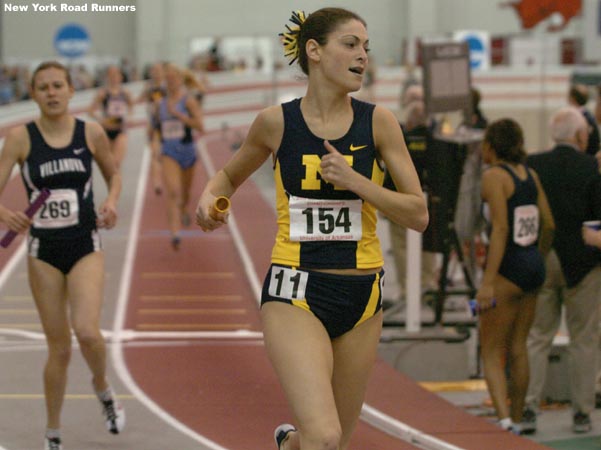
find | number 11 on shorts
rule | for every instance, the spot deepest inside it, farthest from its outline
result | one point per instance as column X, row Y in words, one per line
column 288, row 283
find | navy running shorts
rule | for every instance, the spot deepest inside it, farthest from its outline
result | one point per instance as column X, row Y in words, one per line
column 64, row 254
column 340, row 302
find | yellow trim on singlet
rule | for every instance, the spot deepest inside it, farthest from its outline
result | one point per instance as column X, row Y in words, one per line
column 284, row 250
column 372, row 304
column 368, row 254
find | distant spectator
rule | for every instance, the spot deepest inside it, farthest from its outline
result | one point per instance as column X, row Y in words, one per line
column 417, row 135
column 572, row 183
column 215, row 59
column 578, row 97
column 478, row 119
column 7, row 91
column 82, row 79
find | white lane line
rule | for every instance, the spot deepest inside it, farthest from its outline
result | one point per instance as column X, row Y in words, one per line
column 401, row 430
column 130, row 335
column 15, row 332
column 369, row 414
column 119, row 321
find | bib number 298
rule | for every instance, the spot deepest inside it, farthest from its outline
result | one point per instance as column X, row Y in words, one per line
column 288, row 283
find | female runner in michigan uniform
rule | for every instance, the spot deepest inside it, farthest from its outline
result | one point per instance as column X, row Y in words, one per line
column 116, row 105
column 65, row 262
column 321, row 301
column 521, row 233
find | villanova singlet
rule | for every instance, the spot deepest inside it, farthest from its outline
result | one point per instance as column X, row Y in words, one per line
column 321, row 226
column 67, row 172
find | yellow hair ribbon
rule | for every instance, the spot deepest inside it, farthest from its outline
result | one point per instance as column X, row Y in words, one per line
column 290, row 38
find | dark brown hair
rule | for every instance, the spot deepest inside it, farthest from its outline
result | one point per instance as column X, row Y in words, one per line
column 51, row 65
column 506, row 139
column 317, row 27
column 579, row 94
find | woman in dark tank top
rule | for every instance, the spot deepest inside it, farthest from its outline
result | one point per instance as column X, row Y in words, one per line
column 520, row 234
column 65, row 262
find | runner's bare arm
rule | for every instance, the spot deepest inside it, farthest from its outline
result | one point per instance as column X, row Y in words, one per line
column 99, row 144
column 262, row 141
column 14, row 151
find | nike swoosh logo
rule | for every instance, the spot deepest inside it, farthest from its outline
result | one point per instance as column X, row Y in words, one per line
column 352, row 148
column 79, row 151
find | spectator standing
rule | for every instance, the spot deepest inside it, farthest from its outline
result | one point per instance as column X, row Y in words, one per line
column 571, row 181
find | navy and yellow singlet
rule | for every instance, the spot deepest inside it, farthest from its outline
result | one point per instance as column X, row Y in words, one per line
column 319, row 225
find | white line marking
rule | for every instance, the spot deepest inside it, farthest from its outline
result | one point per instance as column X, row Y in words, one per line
column 369, row 414
column 32, row 335
column 119, row 321
column 401, row 430
column 129, row 335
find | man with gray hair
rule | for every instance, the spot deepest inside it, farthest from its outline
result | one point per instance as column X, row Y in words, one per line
column 572, row 183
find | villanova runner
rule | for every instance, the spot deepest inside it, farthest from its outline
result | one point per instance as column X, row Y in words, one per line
column 65, row 262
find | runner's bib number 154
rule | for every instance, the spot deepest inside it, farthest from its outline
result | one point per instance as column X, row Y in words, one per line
column 324, row 220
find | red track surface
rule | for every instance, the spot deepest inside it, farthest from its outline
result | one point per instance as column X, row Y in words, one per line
column 225, row 389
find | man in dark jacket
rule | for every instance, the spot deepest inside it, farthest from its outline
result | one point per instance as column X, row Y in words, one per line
column 572, row 183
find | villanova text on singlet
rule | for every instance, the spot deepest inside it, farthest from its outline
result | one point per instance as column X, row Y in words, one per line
column 321, row 226
column 67, row 172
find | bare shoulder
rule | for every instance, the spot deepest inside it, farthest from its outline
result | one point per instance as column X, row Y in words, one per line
column 267, row 129
column 271, row 118
column 533, row 173
column 384, row 116
column 94, row 134
column 93, row 130
column 496, row 176
column 18, row 134
column 17, row 142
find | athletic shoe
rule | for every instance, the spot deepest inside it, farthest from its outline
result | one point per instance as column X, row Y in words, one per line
column 528, row 421
column 281, row 434
column 114, row 414
column 176, row 242
column 52, row 444
column 581, row 423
